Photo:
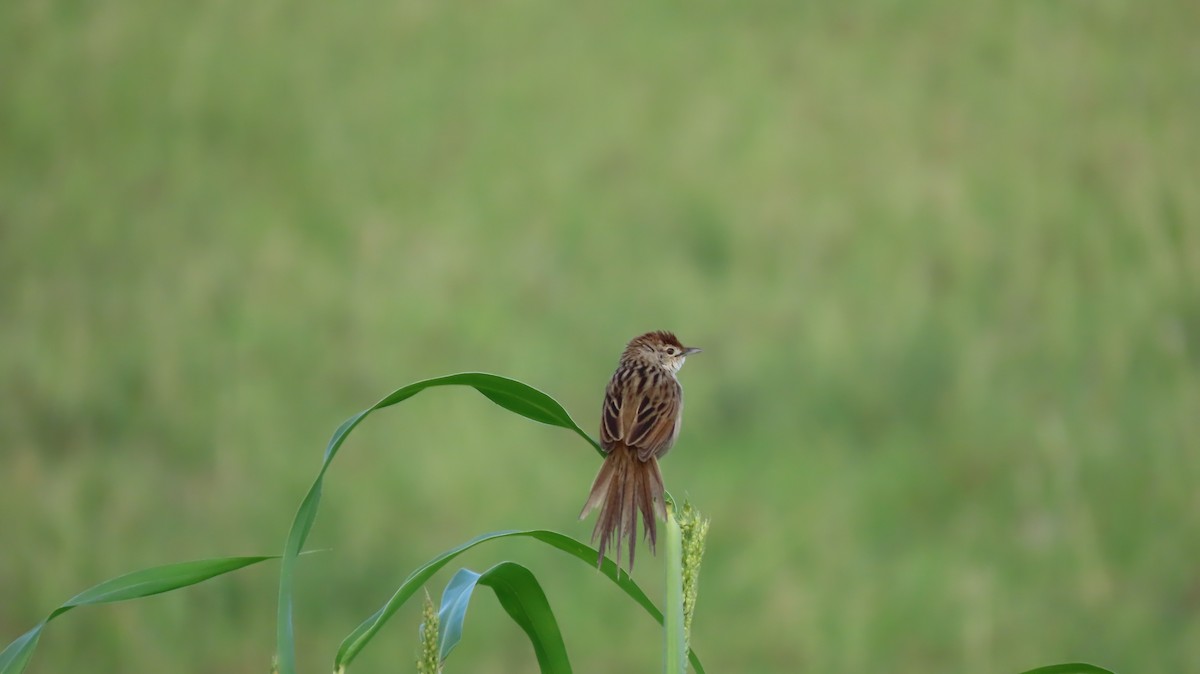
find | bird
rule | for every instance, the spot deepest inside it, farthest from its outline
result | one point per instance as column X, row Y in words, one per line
column 639, row 422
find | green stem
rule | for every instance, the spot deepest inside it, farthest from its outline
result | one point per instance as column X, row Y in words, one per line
column 676, row 653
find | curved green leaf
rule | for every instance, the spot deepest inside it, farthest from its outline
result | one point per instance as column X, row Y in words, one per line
column 16, row 655
column 453, row 610
column 142, row 583
column 522, row 598
column 507, row 393
column 1070, row 668
column 362, row 635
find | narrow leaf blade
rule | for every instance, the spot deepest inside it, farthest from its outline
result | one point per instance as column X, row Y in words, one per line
column 135, row 585
column 1069, row 668
column 159, row 579
column 17, row 654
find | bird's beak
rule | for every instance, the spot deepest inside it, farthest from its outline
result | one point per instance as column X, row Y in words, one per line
column 690, row 350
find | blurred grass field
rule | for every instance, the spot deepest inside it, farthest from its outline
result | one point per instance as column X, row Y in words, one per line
column 943, row 258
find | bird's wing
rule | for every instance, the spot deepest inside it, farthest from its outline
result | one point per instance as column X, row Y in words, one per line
column 641, row 417
column 654, row 429
column 611, row 430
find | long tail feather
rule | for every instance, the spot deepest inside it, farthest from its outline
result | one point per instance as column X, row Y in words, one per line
column 646, row 505
column 599, row 487
column 624, row 487
column 629, row 512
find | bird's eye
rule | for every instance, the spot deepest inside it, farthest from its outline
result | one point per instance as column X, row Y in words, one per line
column 670, row 351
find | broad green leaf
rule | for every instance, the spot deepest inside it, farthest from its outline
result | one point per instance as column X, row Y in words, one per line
column 507, row 393
column 1070, row 668
column 362, row 635
column 522, row 598
column 143, row 583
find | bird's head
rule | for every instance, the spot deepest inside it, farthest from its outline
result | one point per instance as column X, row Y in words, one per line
column 660, row 348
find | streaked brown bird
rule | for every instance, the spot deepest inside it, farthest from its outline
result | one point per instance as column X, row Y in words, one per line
column 643, row 408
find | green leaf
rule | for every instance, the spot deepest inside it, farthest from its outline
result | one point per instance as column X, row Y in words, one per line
column 362, row 635
column 1070, row 668
column 453, row 610
column 674, row 661
column 143, row 583
column 159, row 579
column 521, row 596
column 14, row 657
column 507, row 393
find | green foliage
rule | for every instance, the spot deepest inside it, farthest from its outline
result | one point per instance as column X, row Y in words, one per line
column 135, row 585
column 509, row 394
column 354, row 643
column 522, row 598
column 516, row 587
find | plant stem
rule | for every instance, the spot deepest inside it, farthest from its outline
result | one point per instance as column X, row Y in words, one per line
column 676, row 647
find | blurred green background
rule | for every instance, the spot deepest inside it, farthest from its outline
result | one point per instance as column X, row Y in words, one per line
column 944, row 260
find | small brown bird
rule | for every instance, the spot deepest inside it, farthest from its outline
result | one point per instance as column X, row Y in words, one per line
column 643, row 408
